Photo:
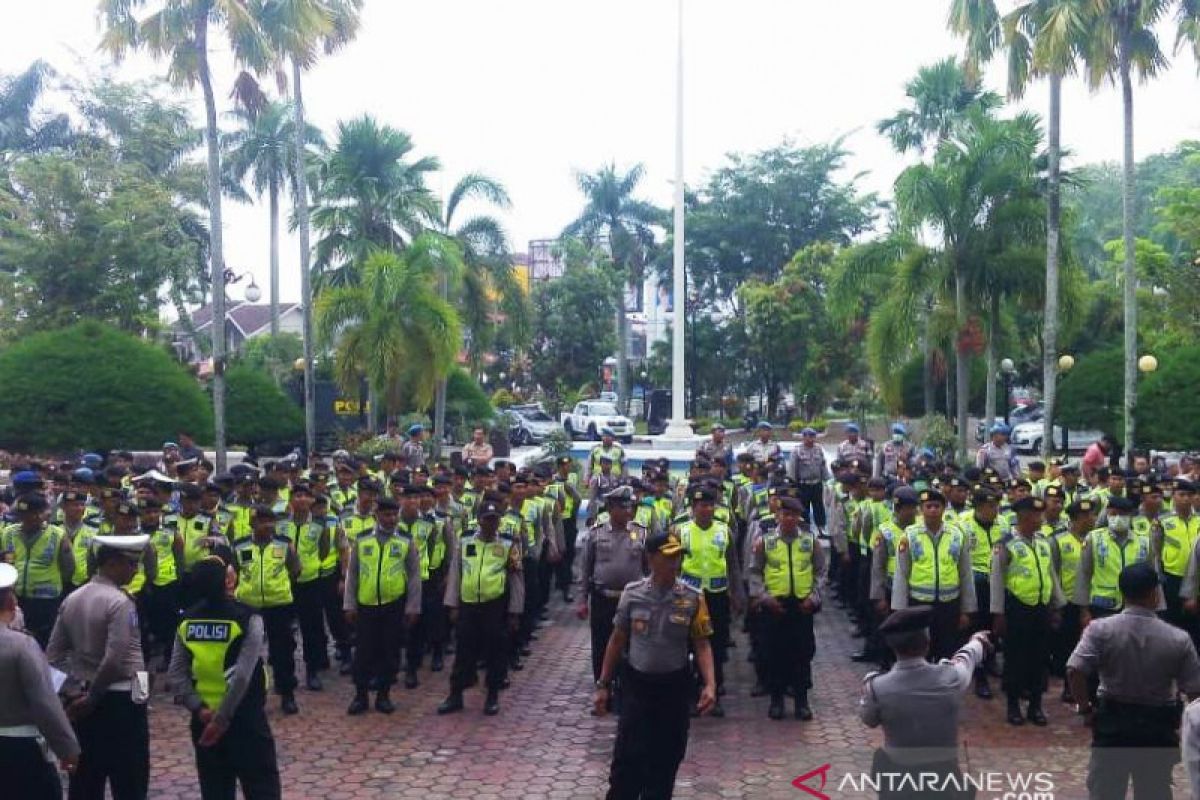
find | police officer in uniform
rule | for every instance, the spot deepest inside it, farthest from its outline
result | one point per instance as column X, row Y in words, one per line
column 97, row 642
column 1066, row 548
column 657, row 619
column 43, row 557
column 313, row 540
column 485, row 593
column 917, row 704
column 984, row 530
column 786, row 568
column 28, row 709
column 217, row 674
column 1142, row 663
column 810, row 470
column 1106, row 552
column 1025, row 601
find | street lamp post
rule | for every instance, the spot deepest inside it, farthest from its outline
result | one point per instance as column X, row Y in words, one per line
column 1007, row 370
column 1065, row 364
column 1146, row 365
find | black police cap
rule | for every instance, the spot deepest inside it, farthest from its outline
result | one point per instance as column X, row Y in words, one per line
column 1029, row 504
column 906, row 620
column 1137, row 579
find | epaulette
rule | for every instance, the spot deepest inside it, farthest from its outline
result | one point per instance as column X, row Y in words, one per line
column 870, row 676
column 679, row 584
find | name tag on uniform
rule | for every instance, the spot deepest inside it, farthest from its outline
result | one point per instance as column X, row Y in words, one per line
column 498, row 550
column 395, row 549
column 679, row 619
column 368, row 549
column 279, row 550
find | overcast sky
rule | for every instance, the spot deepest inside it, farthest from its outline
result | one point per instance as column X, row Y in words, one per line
column 529, row 91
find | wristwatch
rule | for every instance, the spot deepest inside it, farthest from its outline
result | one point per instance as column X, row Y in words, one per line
column 603, row 684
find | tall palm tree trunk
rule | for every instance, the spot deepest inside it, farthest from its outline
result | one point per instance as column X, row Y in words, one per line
column 1053, row 232
column 989, row 404
column 216, row 241
column 622, row 352
column 927, row 360
column 962, row 361
column 273, row 192
column 306, row 298
column 1130, row 272
column 439, row 399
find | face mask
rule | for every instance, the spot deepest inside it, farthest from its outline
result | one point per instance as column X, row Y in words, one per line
column 897, row 438
column 1120, row 524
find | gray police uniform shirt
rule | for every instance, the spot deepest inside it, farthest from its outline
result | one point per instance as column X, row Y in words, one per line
column 851, row 451
column 413, row 453
column 1140, row 658
column 763, row 451
column 660, row 622
column 918, row 703
column 966, row 579
column 27, row 696
column 613, row 559
column 1002, row 459
column 722, row 452
column 412, row 587
column 598, row 486
column 889, row 456
column 96, row 639
column 808, row 465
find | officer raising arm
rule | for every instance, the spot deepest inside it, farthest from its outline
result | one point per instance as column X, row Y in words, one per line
column 657, row 618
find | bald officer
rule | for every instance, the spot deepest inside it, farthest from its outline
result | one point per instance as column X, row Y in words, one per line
column 97, row 642
column 917, row 704
column 28, row 709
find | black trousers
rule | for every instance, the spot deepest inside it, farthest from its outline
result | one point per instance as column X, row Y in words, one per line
column 529, row 616
column 430, row 630
column 944, row 636
column 162, row 608
column 335, row 618
column 982, row 618
column 281, row 646
column 601, row 611
column 245, row 755
column 812, row 497
column 481, row 633
column 718, row 611
column 27, row 773
column 40, row 614
column 115, row 740
column 310, row 608
column 849, row 576
column 545, row 579
column 1063, row 640
column 652, row 735
column 790, row 647
column 756, row 626
column 912, row 790
column 563, row 572
column 1026, row 648
column 1133, row 743
column 377, row 652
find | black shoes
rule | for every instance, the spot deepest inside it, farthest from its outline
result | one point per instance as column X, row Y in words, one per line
column 863, row 657
column 288, row 704
column 1015, row 717
column 383, row 703
column 803, row 711
column 775, row 710
column 451, row 704
column 410, row 680
column 358, row 705
column 983, row 690
column 313, row 682
column 436, row 663
column 1035, row 713
column 491, row 706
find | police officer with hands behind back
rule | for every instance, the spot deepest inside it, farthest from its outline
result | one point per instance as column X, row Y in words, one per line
column 657, row 619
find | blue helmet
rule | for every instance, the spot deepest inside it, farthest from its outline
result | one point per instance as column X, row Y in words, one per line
column 900, row 429
column 1000, row 427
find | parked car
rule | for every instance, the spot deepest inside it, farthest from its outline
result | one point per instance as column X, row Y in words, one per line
column 1019, row 414
column 529, row 424
column 591, row 416
column 1027, row 438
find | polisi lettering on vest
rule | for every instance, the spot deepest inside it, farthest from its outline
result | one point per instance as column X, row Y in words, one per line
column 208, row 631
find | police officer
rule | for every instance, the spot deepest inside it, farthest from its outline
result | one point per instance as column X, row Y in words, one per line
column 657, row 619
column 383, row 594
column 193, row 527
column 267, row 564
column 764, row 447
column 1106, row 552
column 44, row 560
column 600, row 483
column 413, row 451
column 485, row 594
column 313, row 540
column 1142, row 664
column 984, row 529
column 608, row 447
column 884, row 543
column 895, row 451
column 717, row 448
column 917, row 704
column 786, row 569
column 1025, row 601
column 853, row 447
column 1066, row 548
column 998, row 454
column 710, row 564
column 1174, row 540
column 565, row 489
column 217, row 674
column 933, row 567
column 809, row 469
column 614, row 556
column 77, row 525
column 97, row 642
column 28, row 709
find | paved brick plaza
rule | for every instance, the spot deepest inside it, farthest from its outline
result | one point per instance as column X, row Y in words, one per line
column 544, row 743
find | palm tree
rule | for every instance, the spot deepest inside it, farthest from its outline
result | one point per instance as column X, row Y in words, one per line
column 1122, row 41
column 941, row 94
column 21, row 129
column 392, row 327
column 179, row 30
column 261, row 150
column 1042, row 37
column 611, row 211
column 369, row 196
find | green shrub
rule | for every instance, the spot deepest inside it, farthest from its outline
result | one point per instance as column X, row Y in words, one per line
column 503, row 398
column 257, row 411
column 818, row 424
column 94, row 387
column 913, row 392
column 1092, row 394
column 466, row 402
column 937, row 433
column 1168, row 410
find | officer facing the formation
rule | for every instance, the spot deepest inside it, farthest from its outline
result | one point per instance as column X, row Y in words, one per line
column 786, row 568
column 1142, row 664
column 917, row 704
column 44, row 560
column 217, row 674
column 1025, row 602
column 485, row 593
column 97, row 642
column 28, row 709
column 657, row 619
column 1106, row 552
column 810, row 470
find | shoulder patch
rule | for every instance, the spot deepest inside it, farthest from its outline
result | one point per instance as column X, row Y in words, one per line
column 681, row 587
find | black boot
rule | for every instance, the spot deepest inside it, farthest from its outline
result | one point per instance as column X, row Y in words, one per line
column 452, row 703
column 435, row 662
column 359, row 704
column 1015, row 717
column 383, row 703
column 410, row 679
column 775, row 711
column 288, row 704
column 1035, row 713
column 983, row 689
column 313, row 682
column 491, row 706
column 803, row 711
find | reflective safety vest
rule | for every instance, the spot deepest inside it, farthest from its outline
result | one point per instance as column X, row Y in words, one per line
column 983, row 540
column 531, row 516
column 788, row 571
column 558, row 491
column 215, row 642
column 239, row 519
column 81, row 545
column 890, row 534
column 353, row 524
column 484, row 568
column 194, row 530
column 382, row 568
column 1179, row 539
column 343, row 499
column 421, row 531
column 933, row 573
column 512, row 527
column 1109, row 557
column 1029, row 575
column 644, row 515
column 664, row 508
column 163, row 542
column 306, row 539
column 38, row 575
column 853, row 528
column 704, row 555
column 1069, row 550
column 329, row 565
column 138, row 581
column 616, row 453
column 263, row 580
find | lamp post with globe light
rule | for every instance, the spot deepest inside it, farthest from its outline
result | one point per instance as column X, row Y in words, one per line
column 1007, row 370
column 1066, row 363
